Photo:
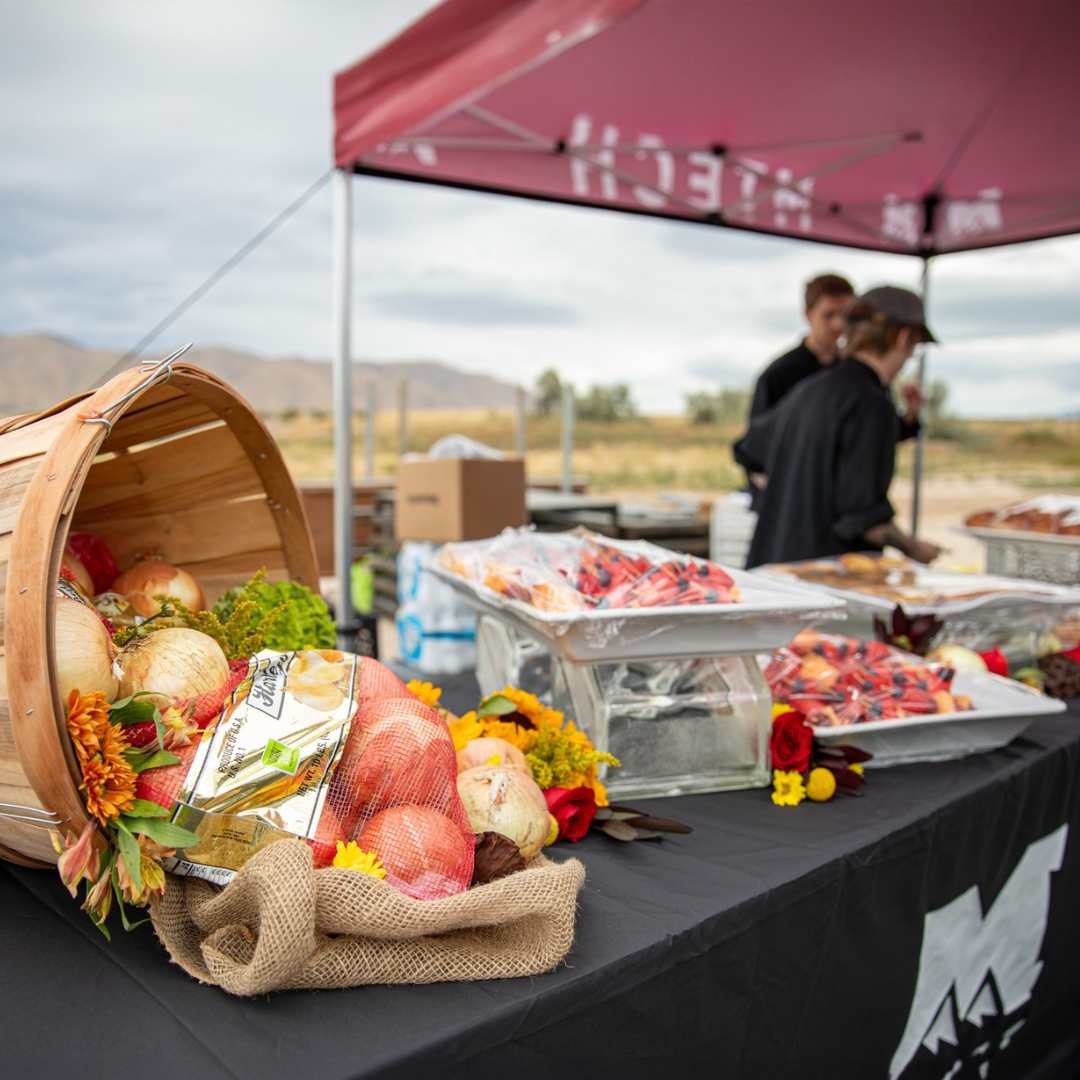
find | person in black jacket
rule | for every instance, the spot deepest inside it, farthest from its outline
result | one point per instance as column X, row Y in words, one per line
column 828, row 448
column 827, row 298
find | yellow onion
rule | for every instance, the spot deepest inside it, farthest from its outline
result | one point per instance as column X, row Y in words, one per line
column 84, row 651
column 481, row 751
column 151, row 577
column 958, row 657
column 502, row 799
column 174, row 662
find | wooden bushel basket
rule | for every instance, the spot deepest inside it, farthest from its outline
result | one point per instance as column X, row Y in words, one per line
column 164, row 459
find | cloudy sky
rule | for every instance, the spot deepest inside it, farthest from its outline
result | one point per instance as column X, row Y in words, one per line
column 145, row 143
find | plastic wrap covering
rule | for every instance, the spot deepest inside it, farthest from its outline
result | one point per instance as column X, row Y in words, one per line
column 1001, row 710
column 896, row 706
column 589, row 598
column 835, row 681
column 326, row 746
column 980, row 611
column 1052, row 515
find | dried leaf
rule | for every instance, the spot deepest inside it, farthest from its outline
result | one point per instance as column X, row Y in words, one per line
column 659, row 824
column 496, row 856
column 618, row 830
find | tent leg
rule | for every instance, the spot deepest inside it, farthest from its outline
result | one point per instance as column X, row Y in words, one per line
column 342, row 395
column 920, row 439
column 567, row 483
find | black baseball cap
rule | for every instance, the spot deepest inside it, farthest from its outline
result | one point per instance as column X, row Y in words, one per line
column 889, row 303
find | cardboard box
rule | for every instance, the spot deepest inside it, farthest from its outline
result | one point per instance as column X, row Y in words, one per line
column 446, row 499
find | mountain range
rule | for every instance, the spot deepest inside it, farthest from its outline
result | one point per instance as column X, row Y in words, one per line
column 39, row 370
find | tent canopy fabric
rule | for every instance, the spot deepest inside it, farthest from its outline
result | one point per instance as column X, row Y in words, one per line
column 911, row 126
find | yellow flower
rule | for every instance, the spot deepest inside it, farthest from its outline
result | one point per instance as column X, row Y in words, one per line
column 779, row 710
column 427, row 693
column 590, row 781
column 820, row 785
column 530, row 710
column 495, row 727
column 151, row 873
column 788, row 788
column 856, row 768
column 87, row 722
column 553, row 831
column 464, row 729
column 178, row 729
column 350, row 857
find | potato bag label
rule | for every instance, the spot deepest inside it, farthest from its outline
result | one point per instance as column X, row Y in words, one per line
column 264, row 771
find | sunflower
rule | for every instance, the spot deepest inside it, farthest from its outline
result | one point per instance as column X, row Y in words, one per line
column 530, row 714
column 87, row 722
column 464, row 729
column 426, row 692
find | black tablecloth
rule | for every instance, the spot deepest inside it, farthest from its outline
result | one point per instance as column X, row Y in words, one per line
column 845, row 939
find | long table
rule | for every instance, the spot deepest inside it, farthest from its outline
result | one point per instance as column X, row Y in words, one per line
column 930, row 928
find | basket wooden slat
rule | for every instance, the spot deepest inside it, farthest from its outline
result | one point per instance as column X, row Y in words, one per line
column 15, row 480
column 217, row 499
column 185, row 470
column 166, row 417
column 31, row 441
column 186, row 537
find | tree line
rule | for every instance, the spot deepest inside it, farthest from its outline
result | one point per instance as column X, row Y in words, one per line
column 727, row 405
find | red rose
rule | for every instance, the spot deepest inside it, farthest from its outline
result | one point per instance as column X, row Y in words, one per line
column 573, row 809
column 995, row 662
column 791, row 742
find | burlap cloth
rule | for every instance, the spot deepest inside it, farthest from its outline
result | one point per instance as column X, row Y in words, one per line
column 282, row 925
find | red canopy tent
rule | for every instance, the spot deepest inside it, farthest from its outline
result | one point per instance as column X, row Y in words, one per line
column 912, row 126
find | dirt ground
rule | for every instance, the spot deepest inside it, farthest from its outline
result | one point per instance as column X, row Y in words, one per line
column 944, row 503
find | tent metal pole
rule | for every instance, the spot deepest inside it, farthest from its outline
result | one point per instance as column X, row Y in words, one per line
column 369, row 432
column 403, row 416
column 920, row 439
column 566, row 484
column 342, row 394
column 519, row 433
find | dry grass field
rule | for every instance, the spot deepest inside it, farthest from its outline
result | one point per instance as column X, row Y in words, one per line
column 986, row 463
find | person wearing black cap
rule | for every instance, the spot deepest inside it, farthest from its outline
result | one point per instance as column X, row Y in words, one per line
column 828, row 448
column 827, row 299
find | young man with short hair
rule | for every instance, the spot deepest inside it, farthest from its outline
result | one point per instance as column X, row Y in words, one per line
column 828, row 449
column 826, row 298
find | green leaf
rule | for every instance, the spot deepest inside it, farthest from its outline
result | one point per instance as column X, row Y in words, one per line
column 164, row 832
column 129, row 851
column 128, row 925
column 496, row 705
column 133, row 712
column 140, row 762
column 145, row 808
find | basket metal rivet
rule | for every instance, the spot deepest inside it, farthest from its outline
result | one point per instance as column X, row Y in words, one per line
column 29, row 712
column 53, row 477
column 262, row 453
column 23, row 589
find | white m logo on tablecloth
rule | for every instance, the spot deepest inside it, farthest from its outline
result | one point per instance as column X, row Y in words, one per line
column 973, row 967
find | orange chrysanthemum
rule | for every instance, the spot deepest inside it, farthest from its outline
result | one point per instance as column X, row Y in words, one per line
column 108, row 780
column 87, row 722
